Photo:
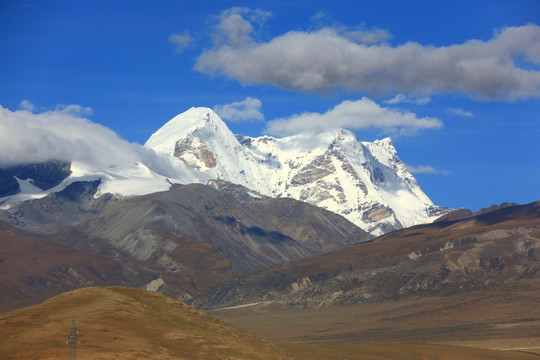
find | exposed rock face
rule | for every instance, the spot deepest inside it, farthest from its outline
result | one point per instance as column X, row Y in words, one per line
column 193, row 152
column 43, row 175
column 377, row 213
column 238, row 191
column 8, row 184
column 448, row 257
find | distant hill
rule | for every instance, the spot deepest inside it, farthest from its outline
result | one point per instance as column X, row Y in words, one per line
column 498, row 248
column 125, row 323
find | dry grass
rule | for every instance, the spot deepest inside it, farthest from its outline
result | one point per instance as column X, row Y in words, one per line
column 125, row 323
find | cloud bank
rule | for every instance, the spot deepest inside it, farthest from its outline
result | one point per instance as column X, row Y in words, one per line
column 245, row 110
column 330, row 58
column 354, row 115
column 62, row 134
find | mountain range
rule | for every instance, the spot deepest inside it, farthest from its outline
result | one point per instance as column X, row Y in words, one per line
column 179, row 242
column 365, row 182
column 498, row 249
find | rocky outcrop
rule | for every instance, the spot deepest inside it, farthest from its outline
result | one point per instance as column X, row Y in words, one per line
column 8, row 184
column 43, row 175
column 194, row 152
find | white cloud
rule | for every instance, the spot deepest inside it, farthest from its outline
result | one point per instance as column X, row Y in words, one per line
column 181, row 41
column 235, row 25
column 329, row 59
column 245, row 110
column 355, row 115
column 62, row 134
column 459, row 112
column 400, row 98
column 75, row 109
column 360, row 34
column 27, row 105
column 426, row 169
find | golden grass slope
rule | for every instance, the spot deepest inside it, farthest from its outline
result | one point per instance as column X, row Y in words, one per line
column 125, row 323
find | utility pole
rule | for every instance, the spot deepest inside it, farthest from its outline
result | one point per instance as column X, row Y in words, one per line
column 73, row 340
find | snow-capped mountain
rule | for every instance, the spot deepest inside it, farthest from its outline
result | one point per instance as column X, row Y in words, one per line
column 365, row 182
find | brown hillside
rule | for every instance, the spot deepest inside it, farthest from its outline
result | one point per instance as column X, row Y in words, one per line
column 440, row 259
column 33, row 269
column 125, row 323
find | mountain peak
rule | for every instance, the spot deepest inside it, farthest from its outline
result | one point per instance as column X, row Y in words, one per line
column 366, row 182
column 201, row 120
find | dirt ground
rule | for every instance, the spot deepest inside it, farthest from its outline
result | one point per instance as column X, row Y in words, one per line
column 505, row 321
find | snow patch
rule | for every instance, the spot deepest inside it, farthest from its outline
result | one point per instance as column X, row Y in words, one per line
column 155, row 285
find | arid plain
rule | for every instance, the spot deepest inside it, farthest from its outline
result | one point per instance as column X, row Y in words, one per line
column 501, row 323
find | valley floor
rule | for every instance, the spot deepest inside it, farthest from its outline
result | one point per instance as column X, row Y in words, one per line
column 385, row 351
column 499, row 323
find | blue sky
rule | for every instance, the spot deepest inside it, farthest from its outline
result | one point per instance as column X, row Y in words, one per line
column 456, row 85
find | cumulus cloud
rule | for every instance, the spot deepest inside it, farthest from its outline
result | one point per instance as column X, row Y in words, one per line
column 62, row 134
column 459, row 112
column 245, row 110
column 355, row 115
column 181, row 41
column 330, row 58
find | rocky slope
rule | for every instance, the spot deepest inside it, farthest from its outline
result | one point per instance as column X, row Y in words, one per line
column 498, row 248
column 178, row 242
column 195, row 235
column 73, row 205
